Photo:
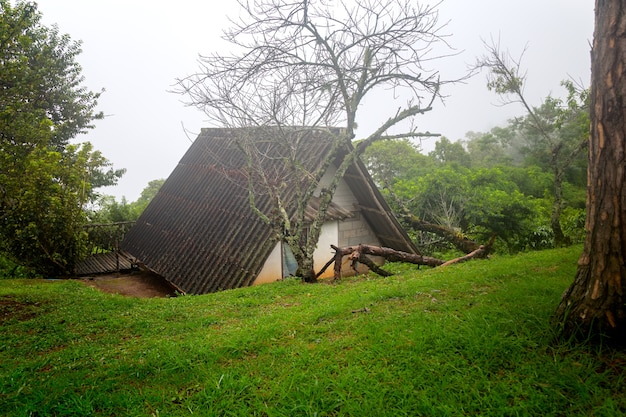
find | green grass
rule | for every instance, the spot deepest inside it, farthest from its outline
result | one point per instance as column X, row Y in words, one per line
column 470, row 339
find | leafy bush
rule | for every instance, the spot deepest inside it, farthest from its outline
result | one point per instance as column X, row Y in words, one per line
column 573, row 224
column 9, row 269
column 46, row 180
column 540, row 238
column 512, row 202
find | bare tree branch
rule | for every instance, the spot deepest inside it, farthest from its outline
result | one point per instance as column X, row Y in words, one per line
column 309, row 64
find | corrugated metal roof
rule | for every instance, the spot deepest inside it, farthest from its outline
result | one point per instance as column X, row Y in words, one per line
column 103, row 263
column 199, row 231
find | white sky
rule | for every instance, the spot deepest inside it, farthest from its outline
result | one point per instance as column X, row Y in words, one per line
column 135, row 49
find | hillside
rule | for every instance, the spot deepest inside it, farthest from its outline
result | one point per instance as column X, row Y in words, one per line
column 470, row 339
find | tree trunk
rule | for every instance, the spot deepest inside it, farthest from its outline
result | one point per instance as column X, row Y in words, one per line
column 306, row 270
column 555, row 218
column 594, row 305
column 557, row 205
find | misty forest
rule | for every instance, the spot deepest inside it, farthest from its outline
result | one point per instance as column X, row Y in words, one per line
column 545, row 189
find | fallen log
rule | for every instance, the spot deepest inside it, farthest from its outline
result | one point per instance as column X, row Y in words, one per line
column 359, row 254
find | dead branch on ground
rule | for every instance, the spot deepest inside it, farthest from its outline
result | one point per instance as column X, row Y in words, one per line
column 360, row 254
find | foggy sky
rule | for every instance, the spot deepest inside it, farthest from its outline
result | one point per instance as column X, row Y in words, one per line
column 135, row 49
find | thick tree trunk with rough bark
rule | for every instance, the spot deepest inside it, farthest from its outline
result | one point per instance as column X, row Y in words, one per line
column 594, row 305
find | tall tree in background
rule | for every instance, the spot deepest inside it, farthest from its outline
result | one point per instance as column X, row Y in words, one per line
column 44, row 180
column 556, row 130
column 595, row 303
column 312, row 63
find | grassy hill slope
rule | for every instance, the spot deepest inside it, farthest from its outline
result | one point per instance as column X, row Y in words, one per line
column 466, row 340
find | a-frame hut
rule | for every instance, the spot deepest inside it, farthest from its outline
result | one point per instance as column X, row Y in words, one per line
column 200, row 233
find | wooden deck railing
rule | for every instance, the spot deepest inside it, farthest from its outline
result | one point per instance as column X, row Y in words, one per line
column 106, row 237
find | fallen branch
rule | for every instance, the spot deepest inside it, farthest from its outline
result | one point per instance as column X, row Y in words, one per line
column 481, row 252
column 359, row 257
column 359, row 254
column 325, row 267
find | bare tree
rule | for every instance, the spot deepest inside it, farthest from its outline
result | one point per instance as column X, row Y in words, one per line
column 507, row 80
column 595, row 303
column 308, row 65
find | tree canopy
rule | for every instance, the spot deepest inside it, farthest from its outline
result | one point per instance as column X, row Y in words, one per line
column 108, row 210
column 45, row 180
column 496, row 183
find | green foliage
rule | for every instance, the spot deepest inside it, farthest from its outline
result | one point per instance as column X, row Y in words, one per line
column 41, row 80
column 394, row 160
column 574, row 196
column 476, row 201
column 448, row 152
column 44, row 181
column 9, row 269
column 548, row 137
column 147, row 194
column 471, row 339
column 505, row 80
column 552, row 135
column 109, row 210
column 441, row 196
column 508, row 182
column 494, row 148
column 531, row 180
column 43, row 217
column 573, row 221
column 498, row 207
column 523, row 144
